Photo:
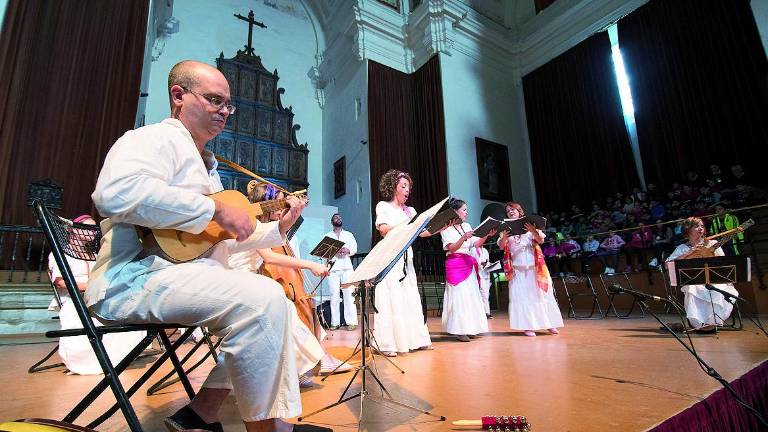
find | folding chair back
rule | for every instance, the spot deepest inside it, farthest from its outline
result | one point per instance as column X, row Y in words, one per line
column 622, row 280
column 82, row 242
column 580, row 286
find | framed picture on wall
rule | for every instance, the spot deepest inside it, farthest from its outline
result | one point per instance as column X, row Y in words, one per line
column 340, row 177
column 394, row 4
column 493, row 171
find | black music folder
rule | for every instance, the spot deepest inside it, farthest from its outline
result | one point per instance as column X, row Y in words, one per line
column 486, row 226
column 446, row 216
column 516, row 226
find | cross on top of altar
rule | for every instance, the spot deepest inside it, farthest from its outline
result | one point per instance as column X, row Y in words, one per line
column 251, row 22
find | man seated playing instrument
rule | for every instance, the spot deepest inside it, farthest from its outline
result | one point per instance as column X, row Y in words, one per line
column 159, row 176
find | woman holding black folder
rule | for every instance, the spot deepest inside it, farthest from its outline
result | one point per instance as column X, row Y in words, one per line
column 532, row 304
column 463, row 304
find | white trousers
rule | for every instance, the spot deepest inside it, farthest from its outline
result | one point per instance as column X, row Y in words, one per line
column 485, row 292
column 335, row 279
column 247, row 311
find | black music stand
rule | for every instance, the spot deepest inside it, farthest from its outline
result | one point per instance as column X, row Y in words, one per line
column 326, row 249
column 713, row 270
column 372, row 270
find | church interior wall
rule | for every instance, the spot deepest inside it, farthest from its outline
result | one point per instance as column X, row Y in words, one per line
column 478, row 101
column 760, row 10
column 3, row 6
column 345, row 134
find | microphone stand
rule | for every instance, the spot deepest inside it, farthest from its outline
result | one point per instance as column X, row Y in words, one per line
column 642, row 298
column 732, row 299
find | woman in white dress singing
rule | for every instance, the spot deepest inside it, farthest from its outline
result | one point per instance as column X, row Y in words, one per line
column 463, row 304
column 399, row 323
column 532, row 304
column 704, row 308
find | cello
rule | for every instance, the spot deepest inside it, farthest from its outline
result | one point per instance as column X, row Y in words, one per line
column 292, row 282
column 291, row 279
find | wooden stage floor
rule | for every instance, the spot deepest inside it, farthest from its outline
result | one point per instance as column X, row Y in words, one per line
column 602, row 375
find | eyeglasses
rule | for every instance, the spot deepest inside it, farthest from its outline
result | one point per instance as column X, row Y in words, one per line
column 215, row 101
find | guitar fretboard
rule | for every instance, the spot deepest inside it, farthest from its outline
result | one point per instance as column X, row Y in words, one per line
column 268, row 207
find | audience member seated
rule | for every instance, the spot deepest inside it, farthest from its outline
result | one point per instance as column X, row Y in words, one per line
column 662, row 242
column 610, row 248
column 639, row 241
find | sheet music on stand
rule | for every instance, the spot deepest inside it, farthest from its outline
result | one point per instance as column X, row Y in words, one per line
column 327, row 248
column 714, row 270
column 388, row 251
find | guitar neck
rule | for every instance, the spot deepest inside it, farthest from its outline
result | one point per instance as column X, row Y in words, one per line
column 725, row 238
column 270, row 206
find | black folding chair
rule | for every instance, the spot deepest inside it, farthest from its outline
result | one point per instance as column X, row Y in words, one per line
column 622, row 280
column 576, row 287
column 82, row 242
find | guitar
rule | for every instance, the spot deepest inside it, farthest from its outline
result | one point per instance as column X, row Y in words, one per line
column 725, row 237
column 179, row 246
column 498, row 423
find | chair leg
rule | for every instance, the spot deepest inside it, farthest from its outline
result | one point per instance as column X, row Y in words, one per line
column 109, row 378
column 170, row 352
column 166, row 380
column 37, row 368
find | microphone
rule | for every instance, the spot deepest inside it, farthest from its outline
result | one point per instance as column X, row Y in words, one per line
column 724, row 293
column 618, row 289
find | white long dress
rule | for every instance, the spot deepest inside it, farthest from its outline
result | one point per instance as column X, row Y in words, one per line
column 481, row 255
column 463, row 304
column 530, row 308
column 308, row 349
column 76, row 352
column 703, row 306
column 399, row 324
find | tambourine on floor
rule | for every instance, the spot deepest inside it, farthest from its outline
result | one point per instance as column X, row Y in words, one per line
column 41, row 425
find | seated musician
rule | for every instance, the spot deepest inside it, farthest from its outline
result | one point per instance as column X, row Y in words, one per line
column 161, row 176
column 283, row 265
column 704, row 308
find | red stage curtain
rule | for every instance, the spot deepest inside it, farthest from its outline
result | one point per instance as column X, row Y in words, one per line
column 70, row 77
column 720, row 412
column 406, row 130
column 580, row 148
column 699, row 80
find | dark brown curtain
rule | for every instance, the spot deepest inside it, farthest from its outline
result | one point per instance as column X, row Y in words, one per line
column 406, row 130
column 699, row 80
column 69, row 87
column 580, row 148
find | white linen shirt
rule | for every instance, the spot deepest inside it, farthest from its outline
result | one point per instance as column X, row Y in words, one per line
column 154, row 176
column 345, row 263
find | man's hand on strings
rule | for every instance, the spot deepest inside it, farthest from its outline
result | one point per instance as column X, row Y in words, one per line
column 296, row 206
column 233, row 219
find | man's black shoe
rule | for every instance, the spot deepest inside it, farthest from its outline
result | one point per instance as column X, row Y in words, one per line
column 186, row 418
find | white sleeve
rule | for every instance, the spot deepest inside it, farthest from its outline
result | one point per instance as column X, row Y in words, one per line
column 134, row 186
column 449, row 236
column 351, row 243
column 679, row 250
column 383, row 215
column 265, row 236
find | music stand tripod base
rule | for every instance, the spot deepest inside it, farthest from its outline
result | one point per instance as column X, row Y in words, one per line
column 364, row 394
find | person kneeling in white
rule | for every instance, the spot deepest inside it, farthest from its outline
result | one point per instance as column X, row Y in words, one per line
column 703, row 307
